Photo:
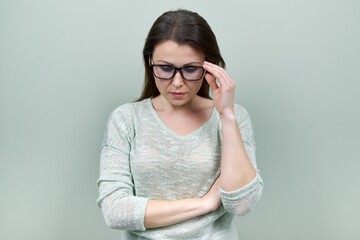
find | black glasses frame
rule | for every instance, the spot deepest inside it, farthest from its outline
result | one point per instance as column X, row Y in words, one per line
column 177, row 70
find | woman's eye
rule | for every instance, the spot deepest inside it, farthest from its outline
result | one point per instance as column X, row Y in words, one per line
column 166, row 68
column 190, row 69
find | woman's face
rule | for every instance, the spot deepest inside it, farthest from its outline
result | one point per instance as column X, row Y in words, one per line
column 177, row 91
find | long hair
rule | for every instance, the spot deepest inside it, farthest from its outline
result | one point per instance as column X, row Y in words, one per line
column 183, row 27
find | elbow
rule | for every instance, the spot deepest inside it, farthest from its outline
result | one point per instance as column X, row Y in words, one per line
column 247, row 204
column 115, row 223
column 114, row 213
column 123, row 215
column 243, row 201
column 112, row 220
column 111, row 223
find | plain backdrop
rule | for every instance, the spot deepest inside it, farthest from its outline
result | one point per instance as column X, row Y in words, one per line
column 66, row 64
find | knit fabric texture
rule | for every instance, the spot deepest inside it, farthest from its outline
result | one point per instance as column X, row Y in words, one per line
column 141, row 159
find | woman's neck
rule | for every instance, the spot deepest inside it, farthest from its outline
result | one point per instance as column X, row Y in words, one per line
column 197, row 104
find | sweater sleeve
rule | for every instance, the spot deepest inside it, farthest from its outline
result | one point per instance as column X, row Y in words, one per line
column 120, row 208
column 243, row 200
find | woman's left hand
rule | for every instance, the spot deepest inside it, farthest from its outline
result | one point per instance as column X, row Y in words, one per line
column 223, row 90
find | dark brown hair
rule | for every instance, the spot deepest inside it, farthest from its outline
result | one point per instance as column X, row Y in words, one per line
column 182, row 27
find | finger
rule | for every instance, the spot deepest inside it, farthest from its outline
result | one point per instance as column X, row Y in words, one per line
column 213, row 70
column 211, row 80
column 219, row 73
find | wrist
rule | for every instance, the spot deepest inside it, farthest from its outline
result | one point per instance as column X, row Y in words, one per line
column 228, row 115
column 209, row 205
column 228, row 119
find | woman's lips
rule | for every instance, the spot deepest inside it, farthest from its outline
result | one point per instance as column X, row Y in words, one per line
column 178, row 94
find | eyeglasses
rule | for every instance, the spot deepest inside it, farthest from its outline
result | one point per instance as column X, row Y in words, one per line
column 167, row 72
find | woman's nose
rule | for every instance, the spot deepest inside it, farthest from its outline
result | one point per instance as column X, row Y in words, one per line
column 177, row 80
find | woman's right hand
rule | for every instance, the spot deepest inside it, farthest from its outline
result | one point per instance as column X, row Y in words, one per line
column 211, row 199
column 160, row 213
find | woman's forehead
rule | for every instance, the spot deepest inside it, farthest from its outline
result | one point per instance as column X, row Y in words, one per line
column 173, row 52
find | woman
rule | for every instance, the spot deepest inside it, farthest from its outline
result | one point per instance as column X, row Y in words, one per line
column 178, row 164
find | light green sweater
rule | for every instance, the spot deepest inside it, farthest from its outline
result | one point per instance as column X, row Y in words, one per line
column 142, row 159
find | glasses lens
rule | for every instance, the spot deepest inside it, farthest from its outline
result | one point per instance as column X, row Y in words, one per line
column 163, row 71
column 192, row 72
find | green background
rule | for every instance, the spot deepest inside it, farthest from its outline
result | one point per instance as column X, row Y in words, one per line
column 65, row 65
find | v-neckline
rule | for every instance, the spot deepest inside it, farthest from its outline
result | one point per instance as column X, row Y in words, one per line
column 165, row 127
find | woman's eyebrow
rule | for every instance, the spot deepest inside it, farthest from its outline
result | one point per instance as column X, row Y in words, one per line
column 162, row 61
column 186, row 64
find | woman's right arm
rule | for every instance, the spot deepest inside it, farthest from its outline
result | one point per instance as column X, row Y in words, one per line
column 121, row 209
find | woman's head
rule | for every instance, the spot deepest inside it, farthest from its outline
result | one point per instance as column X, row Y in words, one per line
column 184, row 28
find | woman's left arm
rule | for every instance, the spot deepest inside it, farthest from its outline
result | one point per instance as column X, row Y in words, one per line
column 239, row 179
column 237, row 171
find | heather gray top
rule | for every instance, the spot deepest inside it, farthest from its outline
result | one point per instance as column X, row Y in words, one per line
column 142, row 159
